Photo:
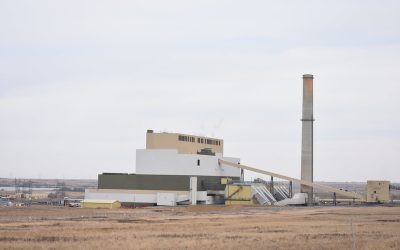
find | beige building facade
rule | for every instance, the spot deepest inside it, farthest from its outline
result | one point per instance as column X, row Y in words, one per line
column 378, row 191
column 184, row 143
column 88, row 203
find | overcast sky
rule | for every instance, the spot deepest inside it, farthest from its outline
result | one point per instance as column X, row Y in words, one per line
column 82, row 81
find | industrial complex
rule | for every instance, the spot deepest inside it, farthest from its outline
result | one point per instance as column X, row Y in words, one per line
column 179, row 168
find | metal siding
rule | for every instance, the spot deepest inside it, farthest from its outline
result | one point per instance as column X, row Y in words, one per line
column 239, row 193
column 169, row 162
column 158, row 182
column 89, row 204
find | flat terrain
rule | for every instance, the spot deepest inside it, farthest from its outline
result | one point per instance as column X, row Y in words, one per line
column 200, row 227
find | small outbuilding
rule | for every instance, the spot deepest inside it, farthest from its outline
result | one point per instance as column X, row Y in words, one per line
column 378, row 191
column 87, row 203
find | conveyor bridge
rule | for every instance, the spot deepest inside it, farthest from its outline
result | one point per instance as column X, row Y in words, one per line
column 294, row 180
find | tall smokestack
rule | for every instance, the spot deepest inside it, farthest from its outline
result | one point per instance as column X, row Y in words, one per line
column 307, row 136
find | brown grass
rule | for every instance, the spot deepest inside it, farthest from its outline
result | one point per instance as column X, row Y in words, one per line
column 200, row 227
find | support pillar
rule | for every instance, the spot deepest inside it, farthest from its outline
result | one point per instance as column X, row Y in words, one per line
column 193, row 190
column 271, row 187
column 334, row 199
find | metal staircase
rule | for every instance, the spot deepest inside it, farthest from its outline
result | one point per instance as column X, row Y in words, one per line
column 262, row 195
column 280, row 192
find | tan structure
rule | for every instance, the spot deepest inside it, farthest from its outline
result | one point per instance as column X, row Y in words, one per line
column 185, row 144
column 238, row 194
column 100, row 204
column 40, row 195
column 378, row 191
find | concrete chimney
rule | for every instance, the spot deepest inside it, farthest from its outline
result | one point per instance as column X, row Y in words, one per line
column 307, row 136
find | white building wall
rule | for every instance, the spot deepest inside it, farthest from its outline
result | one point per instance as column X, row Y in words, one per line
column 137, row 196
column 169, row 162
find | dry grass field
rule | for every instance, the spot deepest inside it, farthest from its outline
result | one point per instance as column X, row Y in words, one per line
column 200, row 227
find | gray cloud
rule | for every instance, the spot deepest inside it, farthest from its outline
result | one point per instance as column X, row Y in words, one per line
column 81, row 81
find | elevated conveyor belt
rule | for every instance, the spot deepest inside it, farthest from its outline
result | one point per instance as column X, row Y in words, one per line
column 310, row 184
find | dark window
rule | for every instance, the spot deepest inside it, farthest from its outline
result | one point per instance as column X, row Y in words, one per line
column 198, row 140
column 198, row 162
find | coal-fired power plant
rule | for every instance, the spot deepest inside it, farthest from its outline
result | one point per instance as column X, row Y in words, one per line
column 307, row 136
column 182, row 169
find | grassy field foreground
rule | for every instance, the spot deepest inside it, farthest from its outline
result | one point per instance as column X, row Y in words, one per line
column 201, row 227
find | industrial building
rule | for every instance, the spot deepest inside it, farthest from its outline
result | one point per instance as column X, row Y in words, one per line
column 180, row 166
column 378, row 191
column 100, row 204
